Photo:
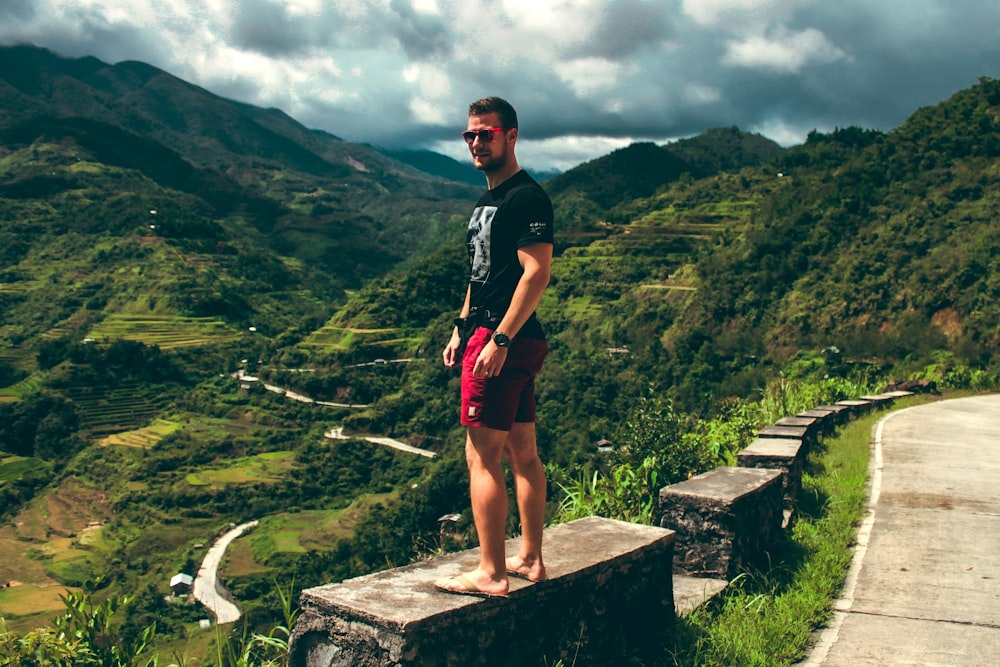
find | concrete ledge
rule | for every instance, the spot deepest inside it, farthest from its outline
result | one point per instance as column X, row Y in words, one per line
column 880, row 400
column 814, row 424
column 826, row 419
column 692, row 592
column 726, row 520
column 607, row 579
column 840, row 414
column 782, row 454
column 899, row 393
column 857, row 407
column 804, row 434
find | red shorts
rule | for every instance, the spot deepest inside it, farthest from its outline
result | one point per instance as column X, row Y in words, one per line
column 498, row 402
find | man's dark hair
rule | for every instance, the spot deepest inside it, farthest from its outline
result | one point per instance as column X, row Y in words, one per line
column 497, row 105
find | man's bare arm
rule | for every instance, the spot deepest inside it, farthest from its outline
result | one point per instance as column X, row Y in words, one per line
column 536, row 260
column 450, row 354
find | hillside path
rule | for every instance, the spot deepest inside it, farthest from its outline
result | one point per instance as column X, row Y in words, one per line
column 924, row 587
column 338, row 434
column 294, row 395
column 207, row 588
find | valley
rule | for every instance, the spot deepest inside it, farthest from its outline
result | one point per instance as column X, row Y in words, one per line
column 696, row 287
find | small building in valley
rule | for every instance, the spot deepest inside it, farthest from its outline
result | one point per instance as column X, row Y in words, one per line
column 182, row 584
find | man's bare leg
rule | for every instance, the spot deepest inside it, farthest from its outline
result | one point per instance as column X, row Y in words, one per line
column 484, row 449
column 521, row 450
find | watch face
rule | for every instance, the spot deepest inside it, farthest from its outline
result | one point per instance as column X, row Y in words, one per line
column 501, row 339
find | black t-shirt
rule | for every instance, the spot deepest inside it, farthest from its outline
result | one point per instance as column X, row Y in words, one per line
column 515, row 214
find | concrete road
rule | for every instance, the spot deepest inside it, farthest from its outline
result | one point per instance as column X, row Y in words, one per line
column 924, row 588
column 207, row 588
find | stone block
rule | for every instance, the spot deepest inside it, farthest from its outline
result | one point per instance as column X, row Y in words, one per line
column 607, row 579
column 899, row 393
column 727, row 520
column 857, row 407
column 784, row 454
column 805, row 434
column 841, row 414
column 692, row 592
column 814, row 426
column 880, row 401
column 826, row 420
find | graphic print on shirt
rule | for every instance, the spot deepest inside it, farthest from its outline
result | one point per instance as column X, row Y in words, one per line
column 480, row 228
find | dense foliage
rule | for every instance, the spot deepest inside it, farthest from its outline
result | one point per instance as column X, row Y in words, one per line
column 166, row 277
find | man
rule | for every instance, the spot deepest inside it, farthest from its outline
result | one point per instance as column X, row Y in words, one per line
column 501, row 346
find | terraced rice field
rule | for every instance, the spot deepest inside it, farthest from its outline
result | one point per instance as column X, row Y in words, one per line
column 269, row 467
column 165, row 331
column 141, row 438
column 342, row 338
column 106, row 410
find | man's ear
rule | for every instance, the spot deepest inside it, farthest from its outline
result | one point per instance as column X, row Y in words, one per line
column 512, row 135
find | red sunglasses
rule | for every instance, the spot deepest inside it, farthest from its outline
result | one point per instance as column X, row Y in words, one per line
column 485, row 135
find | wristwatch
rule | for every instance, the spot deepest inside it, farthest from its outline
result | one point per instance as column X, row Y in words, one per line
column 500, row 339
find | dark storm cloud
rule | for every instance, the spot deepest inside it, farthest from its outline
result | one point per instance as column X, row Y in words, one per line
column 626, row 27
column 421, row 36
column 586, row 76
column 90, row 35
column 270, row 28
column 16, row 10
column 267, row 28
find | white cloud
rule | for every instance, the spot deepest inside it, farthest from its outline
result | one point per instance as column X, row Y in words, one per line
column 739, row 13
column 701, row 94
column 588, row 76
column 303, row 7
column 585, row 75
column 786, row 52
column 427, row 7
column 781, row 132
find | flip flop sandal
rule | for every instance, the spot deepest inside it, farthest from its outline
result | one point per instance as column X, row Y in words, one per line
column 519, row 575
column 466, row 587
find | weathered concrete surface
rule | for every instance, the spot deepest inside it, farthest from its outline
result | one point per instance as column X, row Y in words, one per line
column 879, row 400
column 784, row 454
column 726, row 520
column 924, row 588
column 857, row 406
column 805, row 434
column 841, row 414
column 811, row 423
column 607, row 579
column 827, row 419
column 692, row 592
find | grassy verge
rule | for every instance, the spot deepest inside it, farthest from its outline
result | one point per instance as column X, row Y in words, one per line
column 767, row 619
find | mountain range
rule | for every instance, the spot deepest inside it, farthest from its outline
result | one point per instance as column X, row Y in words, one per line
column 138, row 206
column 158, row 241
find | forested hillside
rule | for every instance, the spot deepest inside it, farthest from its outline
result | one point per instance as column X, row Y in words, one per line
column 148, row 188
column 156, row 239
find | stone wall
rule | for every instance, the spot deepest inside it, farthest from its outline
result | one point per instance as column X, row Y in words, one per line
column 607, row 578
column 604, row 576
column 726, row 520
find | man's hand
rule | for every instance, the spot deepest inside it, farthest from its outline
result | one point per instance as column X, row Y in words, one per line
column 490, row 361
column 450, row 354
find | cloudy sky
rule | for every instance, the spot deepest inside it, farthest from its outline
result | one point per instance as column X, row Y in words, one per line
column 587, row 76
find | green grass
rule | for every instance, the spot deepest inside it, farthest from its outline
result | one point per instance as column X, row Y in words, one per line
column 165, row 331
column 331, row 338
column 19, row 390
column 767, row 619
column 113, row 409
column 16, row 467
column 298, row 532
column 28, row 606
column 270, row 467
column 143, row 438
